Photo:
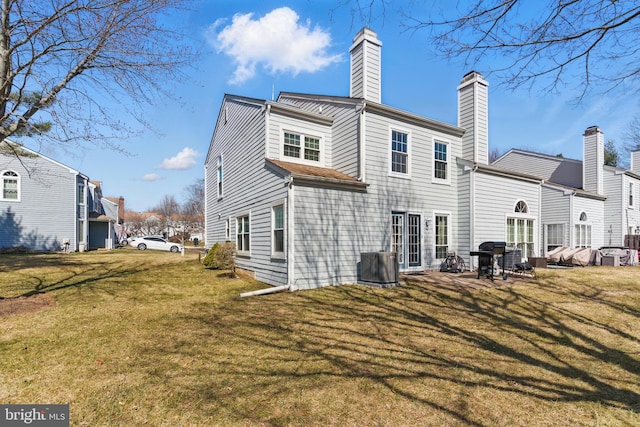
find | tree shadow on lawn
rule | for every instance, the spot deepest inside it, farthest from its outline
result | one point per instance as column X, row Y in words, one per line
column 411, row 341
column 78, row 273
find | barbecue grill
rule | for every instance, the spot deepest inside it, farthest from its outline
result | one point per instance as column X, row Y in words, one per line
column 486, row 253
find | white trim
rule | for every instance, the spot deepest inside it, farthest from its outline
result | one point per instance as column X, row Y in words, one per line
column 243, row 253
column 290, row 238
column 274, row 253
column 219, row 176
column 302, row 133
column 434, row 180
column 18, row 178
column 390, row 152
column 449, row 216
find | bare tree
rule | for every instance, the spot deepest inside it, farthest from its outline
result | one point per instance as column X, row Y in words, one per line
column 581, row 43
column 194, row 197
column 137, row 223
column 632, row 135
column 168, row 209
column 62, row 62
column 561, row 42
column 192, row 211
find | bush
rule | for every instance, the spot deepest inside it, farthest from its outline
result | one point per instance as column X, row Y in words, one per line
column 221, row 257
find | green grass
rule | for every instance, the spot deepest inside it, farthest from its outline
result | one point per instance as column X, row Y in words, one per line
column 142, row 338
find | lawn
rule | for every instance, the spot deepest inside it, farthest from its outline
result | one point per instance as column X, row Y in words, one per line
column 140, row 338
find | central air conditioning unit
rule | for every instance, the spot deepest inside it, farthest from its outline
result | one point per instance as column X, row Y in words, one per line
column 379, row 268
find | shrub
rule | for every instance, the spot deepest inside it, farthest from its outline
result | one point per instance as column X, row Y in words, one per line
column 221, row 257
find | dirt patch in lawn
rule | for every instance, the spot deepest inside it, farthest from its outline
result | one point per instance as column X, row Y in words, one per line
column 18, row 305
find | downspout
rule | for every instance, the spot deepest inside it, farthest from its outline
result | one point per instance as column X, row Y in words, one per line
column 290, row 236
column 266, row 131
column 472, row 212
column 361, row 142
column 572, row 222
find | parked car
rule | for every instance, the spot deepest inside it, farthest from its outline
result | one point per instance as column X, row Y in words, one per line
column 154, row 242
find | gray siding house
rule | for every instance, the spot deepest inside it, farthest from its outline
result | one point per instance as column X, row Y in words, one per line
column 584, row 203
column 45, row 205
column 303, row 185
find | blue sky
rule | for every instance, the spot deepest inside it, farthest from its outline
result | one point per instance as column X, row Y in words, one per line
column 259, row 47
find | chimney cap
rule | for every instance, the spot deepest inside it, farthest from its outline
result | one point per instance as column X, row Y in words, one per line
column 592, row 130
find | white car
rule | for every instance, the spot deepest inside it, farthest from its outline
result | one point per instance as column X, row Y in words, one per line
column 154, row 242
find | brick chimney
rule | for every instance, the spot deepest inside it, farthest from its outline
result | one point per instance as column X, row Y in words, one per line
column 593, row 160
column 366, row 66
column 473, row 116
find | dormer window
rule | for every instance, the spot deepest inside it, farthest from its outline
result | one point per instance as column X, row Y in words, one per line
column 303, row 147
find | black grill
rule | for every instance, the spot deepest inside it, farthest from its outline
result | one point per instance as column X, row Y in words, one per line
column 486, row 253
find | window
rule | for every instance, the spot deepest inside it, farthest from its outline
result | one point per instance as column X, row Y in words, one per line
column 81, row 198
column 413, row 240
column 555, row 236
column 278, row 229
column 311, row 149
column 631, row 194
column 399, row 152
column 521, row 207
column 397, row 236
column 243, row 234
column 520, row 235
column 442, row 236
column 405, row 239
column 219, row 176
column 227, row 230
column 81, row 235
column 440, row 163
column 293, row 147
column 10, row 186
column 583, row 232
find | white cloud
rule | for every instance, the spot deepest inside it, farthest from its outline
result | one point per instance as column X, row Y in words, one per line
column 151, row 177
column 277, row 41
column 183, row 160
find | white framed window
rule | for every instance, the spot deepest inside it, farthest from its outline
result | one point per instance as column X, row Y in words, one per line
column 397, row 236
column 440, row 161
column 10, row 186
column 631, row 189
column 583, row 232
column 520, row 230
column 243, row 235
column 81, row 195
column 441, row 235
column 227, row 230
column 302, row 147
column 399, row 153
column 554, row 236
column 219, row 176
column 277, row 230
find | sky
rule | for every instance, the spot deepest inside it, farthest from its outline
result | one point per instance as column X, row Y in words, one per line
column 258, row 48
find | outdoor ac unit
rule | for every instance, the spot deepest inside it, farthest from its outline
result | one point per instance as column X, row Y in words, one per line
column 379, row 268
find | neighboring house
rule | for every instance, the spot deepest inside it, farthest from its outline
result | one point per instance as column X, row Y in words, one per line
column 307, row 183
column 45, row 205
column 585, row 203
column 105, row 231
